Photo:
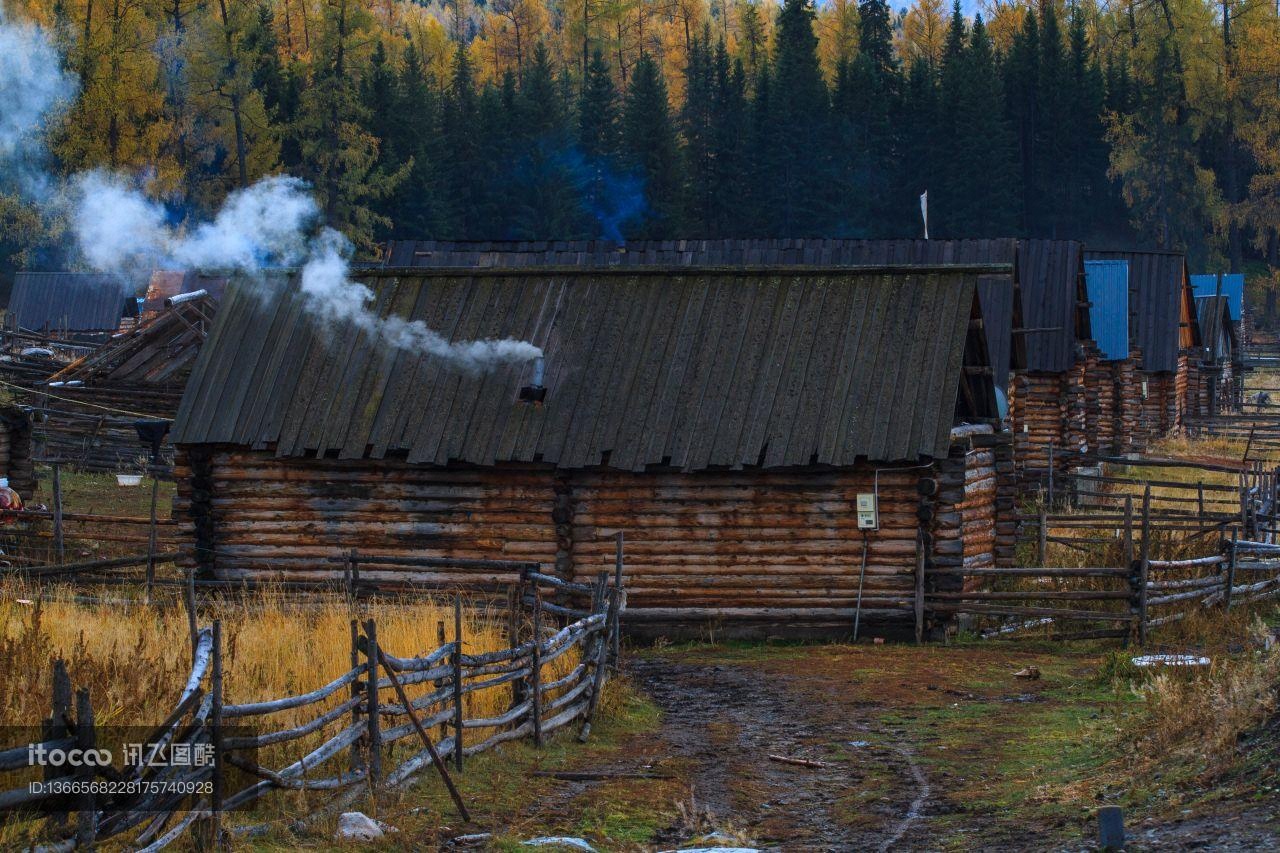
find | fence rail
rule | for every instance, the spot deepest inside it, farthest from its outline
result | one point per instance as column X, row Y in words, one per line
column 358, row 717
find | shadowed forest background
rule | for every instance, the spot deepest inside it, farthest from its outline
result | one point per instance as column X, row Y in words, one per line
column 1146, row 121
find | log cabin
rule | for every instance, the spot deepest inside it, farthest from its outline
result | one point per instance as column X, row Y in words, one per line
column 727, row 420
column 1110, row 376
column 71, row 306
column 86, row 411
column 1164, row 340
column 1221, row 371
column 1049, row 408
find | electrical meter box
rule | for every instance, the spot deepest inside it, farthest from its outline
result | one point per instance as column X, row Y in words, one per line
column 868, row 517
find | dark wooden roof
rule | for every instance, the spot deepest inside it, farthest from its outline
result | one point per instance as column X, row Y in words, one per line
column 692, row 368
column 1160, row 303
column 1054, row 302
column 79, row 302
column 1000, row 303
column 1213, row 315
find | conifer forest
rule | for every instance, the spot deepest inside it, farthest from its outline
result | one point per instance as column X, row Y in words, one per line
column 1136, row 122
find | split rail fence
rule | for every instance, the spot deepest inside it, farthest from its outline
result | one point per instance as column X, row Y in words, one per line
column 352, row 723
column 1126, row 601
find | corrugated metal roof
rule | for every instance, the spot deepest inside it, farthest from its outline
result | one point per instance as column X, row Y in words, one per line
column 80, row 302
column 1230, row 285
column 1217, row 326
column 1159, row 303
column 1108, row 283
column 1000, row 303
column 1051, row 283
column 689, row 368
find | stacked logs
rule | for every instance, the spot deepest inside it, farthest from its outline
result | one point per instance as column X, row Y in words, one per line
column 753, row 552
column 1128, row 385
column 1006, row 505
column 1076, row 434
column 1101, row 402
column 1038, row 414
column 756, row 552
column 15, row 451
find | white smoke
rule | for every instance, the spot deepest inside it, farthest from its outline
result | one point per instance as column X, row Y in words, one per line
column 271, row 225
column 34, row 90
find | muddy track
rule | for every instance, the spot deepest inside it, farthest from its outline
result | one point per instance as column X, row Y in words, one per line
column 721, row 722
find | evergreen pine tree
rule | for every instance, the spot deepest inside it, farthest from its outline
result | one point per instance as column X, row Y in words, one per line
column 800, row 118
column 1021, row 78
column 1052, row 184
column 650, row 150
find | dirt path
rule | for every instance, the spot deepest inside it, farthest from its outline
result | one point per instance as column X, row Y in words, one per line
column 723, row 721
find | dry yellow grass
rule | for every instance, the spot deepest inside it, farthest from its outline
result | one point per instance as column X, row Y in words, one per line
column 135, row 658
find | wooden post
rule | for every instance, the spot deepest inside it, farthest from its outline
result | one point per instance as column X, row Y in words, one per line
column 919, row 602
column 1144, row 567
column 58, row 548
column 151, row 536
column 215, row 716
column 374, row 745
column 440, row 682
column 422, row 733
column 86, row 816
column 1042, row 538
column 354, row 557
column 457, row 684
column 535, row 671
column 357, row 759
column 1231, row 572
column 1051, row 473
column 1200, row 498
column 189, row 599
column 615, row 635
column 55, row 727
column 1128, row 531
column 601, row 664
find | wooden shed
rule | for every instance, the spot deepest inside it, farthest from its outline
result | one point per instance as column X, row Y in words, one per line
column 1164, row 338
column 1049, row 408
column 69, row 305
column 726, row 419
column 85, row 412
column 1221, row 384
column 1111, row 383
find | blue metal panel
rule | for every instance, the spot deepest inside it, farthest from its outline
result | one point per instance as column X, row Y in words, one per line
column 1108, row 283
column 1232, row 288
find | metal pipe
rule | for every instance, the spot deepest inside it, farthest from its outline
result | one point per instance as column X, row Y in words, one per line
column 171, row 301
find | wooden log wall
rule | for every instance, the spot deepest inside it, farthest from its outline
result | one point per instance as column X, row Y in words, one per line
column 1182, row 383
column 1102, row 415
column 752, row 552
column 283, row 518
column 1038, row 414
column 1128, row 385
column 15, row 452
column 1006, row 497
column 92, row 428
column 1049, row 410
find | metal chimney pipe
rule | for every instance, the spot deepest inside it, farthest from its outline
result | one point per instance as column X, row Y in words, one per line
column 184, row 297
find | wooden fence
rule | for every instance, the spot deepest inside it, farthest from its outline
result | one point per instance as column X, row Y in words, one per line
column 1125, row 601
column 358, row 718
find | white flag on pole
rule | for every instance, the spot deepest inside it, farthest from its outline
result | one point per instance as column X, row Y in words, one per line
column 924, row 212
